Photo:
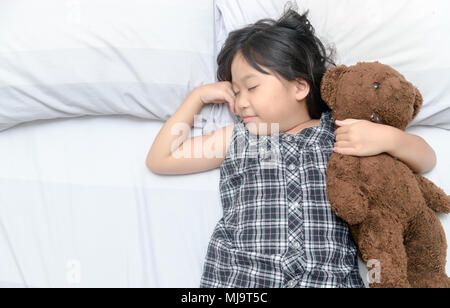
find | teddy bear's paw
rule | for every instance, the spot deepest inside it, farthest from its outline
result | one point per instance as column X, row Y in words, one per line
column 448, row 205
column 429, row 280
column 445, row 206
column 400, row 284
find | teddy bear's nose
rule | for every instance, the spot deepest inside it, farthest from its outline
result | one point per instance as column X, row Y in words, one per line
column 404, row 85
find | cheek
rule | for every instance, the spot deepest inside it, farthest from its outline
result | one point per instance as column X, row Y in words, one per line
column 272, row 104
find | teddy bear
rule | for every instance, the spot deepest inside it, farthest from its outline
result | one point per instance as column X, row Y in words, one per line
column 389, row 209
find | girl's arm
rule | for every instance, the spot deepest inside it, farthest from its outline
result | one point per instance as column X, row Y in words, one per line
column 364, row 138
column 173, row 153
column 412, row 150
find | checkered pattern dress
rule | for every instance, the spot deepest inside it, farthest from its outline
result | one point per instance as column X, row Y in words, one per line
column 278, row 229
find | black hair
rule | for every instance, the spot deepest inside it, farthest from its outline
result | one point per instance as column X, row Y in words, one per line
column 288, row 47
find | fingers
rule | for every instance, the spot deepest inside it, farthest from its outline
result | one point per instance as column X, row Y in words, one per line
column 342, row 137
column 343, row 145
column 342, row 130
column 231, row 99
column 347, row 122
column 230, row 92
column 345, row 151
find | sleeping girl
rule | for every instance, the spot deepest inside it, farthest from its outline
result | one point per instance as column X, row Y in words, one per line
column 278, row 229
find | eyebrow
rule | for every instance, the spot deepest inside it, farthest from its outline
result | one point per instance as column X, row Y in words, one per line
column 246, row 77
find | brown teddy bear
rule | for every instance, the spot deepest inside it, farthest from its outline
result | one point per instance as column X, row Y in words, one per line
column 390, row 210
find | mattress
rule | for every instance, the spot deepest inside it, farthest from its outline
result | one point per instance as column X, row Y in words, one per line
column 79, row 208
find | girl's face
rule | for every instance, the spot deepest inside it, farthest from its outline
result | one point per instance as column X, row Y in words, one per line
column 267, row 104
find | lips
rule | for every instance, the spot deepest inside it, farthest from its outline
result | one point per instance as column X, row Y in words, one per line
column 248, row 119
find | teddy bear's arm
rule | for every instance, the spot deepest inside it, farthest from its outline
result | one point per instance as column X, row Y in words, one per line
column 343, row 191
column 436, row 198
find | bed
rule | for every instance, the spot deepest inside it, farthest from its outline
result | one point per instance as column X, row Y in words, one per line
column 78, row 206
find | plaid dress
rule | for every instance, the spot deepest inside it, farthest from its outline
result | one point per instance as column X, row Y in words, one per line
column 278, row 229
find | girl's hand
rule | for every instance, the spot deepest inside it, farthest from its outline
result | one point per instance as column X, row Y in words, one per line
column 363, row 138
column 217, row 93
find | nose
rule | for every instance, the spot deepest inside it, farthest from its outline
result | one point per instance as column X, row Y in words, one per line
column 404, row 85
column 242, row 103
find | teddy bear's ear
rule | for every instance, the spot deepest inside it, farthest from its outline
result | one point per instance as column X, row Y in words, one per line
column 329, row 84
column 418, row 103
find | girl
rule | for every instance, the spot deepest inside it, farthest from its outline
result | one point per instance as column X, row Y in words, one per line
column 278, row 228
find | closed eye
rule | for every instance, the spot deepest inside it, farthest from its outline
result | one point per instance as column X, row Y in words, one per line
column 251, row 89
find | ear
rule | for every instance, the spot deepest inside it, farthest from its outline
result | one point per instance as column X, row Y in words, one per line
column 303, row 89
column 329, row 84
column 418, row 103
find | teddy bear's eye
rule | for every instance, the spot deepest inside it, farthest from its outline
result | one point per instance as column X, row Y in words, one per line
column 376, row 85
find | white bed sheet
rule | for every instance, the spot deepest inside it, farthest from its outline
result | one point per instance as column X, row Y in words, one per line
column 79, row 208
column 77, row 204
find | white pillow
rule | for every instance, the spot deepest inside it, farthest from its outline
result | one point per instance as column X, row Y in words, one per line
column 409, row 35
column 102, row 57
